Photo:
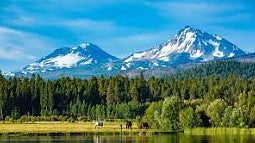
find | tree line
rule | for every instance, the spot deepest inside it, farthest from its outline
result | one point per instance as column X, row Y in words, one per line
column 106, row 98
column 171, row 103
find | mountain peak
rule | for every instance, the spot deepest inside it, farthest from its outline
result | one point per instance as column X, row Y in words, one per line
column 190, row 31
column 188, row 28
column 192, row 43
column 67, row 57
column 84, row 45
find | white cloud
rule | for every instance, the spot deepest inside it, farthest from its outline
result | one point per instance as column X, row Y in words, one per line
column 13, row 54
column 18, row 45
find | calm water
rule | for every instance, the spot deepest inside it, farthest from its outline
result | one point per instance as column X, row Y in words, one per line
column 132, row 139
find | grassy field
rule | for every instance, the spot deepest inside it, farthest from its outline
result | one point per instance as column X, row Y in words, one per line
column 62, row 128
column 220, row 131
column 84, row 128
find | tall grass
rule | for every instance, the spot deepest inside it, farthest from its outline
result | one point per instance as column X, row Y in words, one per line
column 220, row 131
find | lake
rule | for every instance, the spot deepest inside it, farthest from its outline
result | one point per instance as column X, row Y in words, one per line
column 179, row 138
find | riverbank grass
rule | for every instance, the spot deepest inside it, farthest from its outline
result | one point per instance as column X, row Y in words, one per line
column 220, row 131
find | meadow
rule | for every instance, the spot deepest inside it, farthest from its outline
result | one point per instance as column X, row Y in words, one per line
column 65, row 128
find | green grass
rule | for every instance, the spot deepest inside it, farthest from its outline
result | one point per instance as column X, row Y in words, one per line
column 220, row 131
column 64, row 128
column 84, row 128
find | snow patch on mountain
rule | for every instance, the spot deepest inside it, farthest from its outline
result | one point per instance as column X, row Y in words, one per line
column 197, row 54
column 231, row 55
column 89, row 61
column 109, row 68
column 68, row 60
column 84, row 45
column 218, row 37
column 123, row 68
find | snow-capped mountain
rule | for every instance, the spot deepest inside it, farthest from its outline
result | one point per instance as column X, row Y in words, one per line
column 69, row 57
column 189, row 44
column 188, row 47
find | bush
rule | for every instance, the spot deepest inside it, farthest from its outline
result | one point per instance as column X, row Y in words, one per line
column 62, row 118
column 23, row 119
column 54, row 118
column 83, row 118
column 138, row 121
column 9, row 119
column 71, row 120
column 33, row 119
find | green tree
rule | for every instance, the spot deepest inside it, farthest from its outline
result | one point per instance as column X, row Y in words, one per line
column 215, row 111
column 2, row 96
column 226, row 116
column 93, row 96
column 189, row 118
column 150, row 117
column 237, row 118
column 169, row 118
column 110, row 99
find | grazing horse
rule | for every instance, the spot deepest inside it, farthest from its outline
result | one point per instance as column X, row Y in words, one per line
column 99, row 124
column 128, row 125
column 145, row 125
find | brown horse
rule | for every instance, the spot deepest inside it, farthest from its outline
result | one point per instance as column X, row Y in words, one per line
column 145, row 125
column 128, row 125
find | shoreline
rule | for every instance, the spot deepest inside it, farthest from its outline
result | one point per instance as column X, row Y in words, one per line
column 86, row 133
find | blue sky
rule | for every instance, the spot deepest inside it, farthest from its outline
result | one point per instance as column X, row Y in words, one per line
column 30, row 29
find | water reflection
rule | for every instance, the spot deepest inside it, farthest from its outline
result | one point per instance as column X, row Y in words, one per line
column 181, row 138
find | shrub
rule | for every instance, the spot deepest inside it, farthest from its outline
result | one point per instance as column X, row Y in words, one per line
column 71, row 120
column 62, row 118
column 23, row 119
column 83, row 118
